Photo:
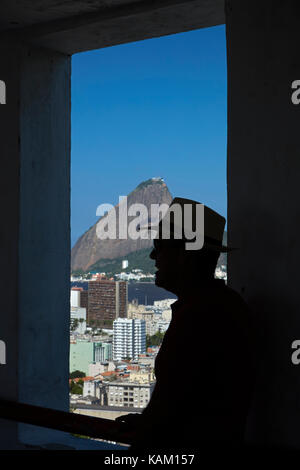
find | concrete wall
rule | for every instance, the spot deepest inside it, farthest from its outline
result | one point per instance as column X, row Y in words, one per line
column 35, row 234
column 9, row 197
column 84, row 25
column 263, row 201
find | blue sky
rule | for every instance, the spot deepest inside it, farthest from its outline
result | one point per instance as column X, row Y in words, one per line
column 150, row 108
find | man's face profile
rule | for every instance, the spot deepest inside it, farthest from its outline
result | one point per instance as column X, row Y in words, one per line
column 174, row 263
column 166, row 254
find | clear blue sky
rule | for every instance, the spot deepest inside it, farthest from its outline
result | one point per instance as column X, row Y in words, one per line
column 150, row 108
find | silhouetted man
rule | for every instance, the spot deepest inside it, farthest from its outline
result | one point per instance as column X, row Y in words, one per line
column 204, row 371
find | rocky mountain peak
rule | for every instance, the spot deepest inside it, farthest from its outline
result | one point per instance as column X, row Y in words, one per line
column 89, row 248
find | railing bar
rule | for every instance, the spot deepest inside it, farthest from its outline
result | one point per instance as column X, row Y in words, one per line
column 89, row 426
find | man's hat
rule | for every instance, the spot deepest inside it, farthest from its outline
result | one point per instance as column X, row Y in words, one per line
column 212, row 231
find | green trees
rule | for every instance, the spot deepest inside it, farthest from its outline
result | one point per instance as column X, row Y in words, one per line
column 76, row 387
column 137, row 260
column 74, row 324
column 154, row 340
column 77, row 374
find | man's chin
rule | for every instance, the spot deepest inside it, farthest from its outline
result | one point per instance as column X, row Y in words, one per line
column 165, row 283
column 160, row 281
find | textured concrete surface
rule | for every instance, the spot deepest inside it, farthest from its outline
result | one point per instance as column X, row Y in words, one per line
column 9, row 233
column 44, row 230
column 75, row 26
column 35, row 197
column 263, row 201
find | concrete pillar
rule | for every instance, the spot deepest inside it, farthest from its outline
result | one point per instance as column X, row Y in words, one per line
column 35, row 233
column 263, row 201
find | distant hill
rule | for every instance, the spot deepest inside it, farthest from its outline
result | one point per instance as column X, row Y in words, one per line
column 136, row 260
column 89, row 249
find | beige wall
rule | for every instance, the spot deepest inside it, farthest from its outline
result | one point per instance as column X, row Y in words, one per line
column 142, row 378
column 107, row 414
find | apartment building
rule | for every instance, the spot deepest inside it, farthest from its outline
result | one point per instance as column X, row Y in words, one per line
column 129, row 338
column 129, row 394
column 107, row 300
column 83, row 353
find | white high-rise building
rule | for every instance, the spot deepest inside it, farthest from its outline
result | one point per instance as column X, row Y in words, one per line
column 129, row 338
column 75, row 296
column 78, row 320
column 125, row 263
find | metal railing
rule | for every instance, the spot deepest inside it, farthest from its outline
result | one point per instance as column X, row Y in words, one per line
column 97, row 428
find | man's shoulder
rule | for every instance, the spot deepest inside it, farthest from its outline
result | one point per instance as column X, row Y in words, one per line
column 224, row 292
column 217, row 305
